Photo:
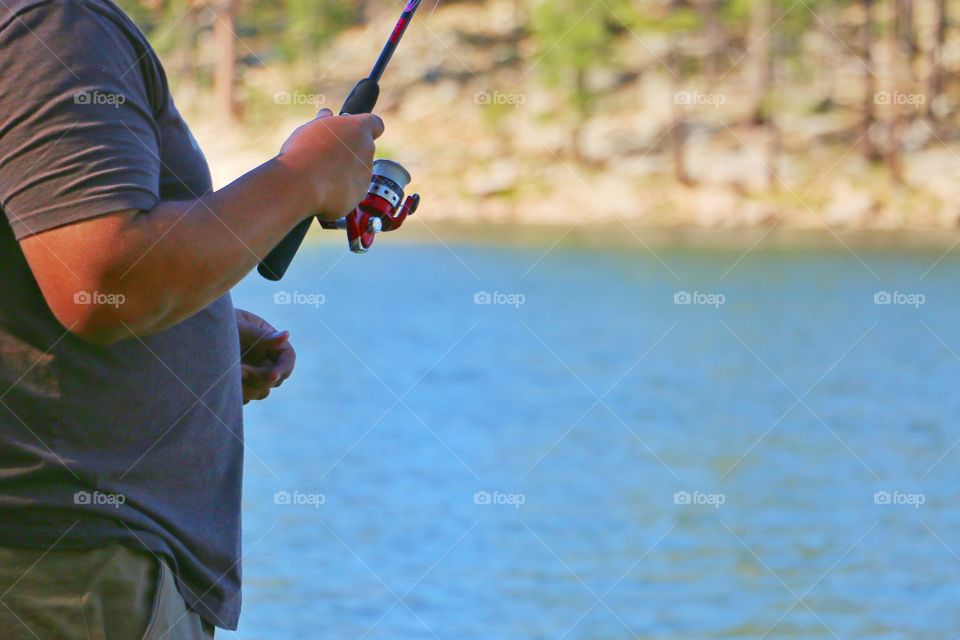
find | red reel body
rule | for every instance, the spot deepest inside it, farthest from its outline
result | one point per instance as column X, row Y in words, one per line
column 381, row 209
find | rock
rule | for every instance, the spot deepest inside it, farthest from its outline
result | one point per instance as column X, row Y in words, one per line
column 916, row 135
column 742, row 167
column 714, row 206
column 756, row 214
column 614, row 197
column 539, row 139
column 941, row 106
column 949, row 214
column 849, row 207
column 599, row 140
column 498, row 177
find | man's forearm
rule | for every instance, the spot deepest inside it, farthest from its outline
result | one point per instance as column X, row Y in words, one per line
column 195, row 251
column 166, row 264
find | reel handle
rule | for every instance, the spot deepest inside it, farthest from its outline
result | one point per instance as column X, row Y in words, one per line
column 362, row 99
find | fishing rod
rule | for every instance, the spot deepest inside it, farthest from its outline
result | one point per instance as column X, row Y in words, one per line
column 381, row 209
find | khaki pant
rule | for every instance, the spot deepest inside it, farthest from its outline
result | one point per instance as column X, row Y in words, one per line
column 114, row 593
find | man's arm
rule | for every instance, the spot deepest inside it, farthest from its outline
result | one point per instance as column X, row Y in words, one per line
column 80, row 179
column 172, row 261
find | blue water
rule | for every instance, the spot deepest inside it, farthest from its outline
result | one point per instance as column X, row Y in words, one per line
column 585, row 412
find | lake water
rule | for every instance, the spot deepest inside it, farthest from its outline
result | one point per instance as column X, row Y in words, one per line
column 584, row 458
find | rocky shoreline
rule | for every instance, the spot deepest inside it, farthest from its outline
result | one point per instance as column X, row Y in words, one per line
column 486, row 143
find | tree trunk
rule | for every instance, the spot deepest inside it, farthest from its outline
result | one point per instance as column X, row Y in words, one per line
column 715, row 40
column 935, row 80
column 678, row 129
column 905, row 29
column 900, row 72
column 368, row 11
column 892, row 156
column 759, row 63
column 869, row 85
column 187, row 49
column 582, row 114
column 224, row 87
column 825, row 59
column 773, row 148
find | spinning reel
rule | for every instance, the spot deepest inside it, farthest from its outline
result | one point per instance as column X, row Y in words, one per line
column 381, row 209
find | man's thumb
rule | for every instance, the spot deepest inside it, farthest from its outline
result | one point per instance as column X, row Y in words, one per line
column 375, row 124
column 324, row 113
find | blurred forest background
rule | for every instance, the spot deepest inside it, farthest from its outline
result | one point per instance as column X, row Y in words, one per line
column 676, row 113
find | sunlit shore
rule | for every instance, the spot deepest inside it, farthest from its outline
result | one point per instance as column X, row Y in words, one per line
column 424, row 229
column 608, row 207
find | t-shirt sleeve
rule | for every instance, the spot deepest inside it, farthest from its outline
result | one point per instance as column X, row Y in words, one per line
column 78, row 136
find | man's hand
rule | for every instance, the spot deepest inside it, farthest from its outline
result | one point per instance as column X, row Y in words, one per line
column 333, row 155
column 266, row 357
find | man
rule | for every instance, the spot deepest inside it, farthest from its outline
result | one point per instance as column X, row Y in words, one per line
column 123, row 365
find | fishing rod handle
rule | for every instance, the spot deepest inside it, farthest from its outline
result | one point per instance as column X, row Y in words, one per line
column 362, row 99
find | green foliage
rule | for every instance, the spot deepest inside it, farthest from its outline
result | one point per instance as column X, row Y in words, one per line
column 682, row 19
column 574, row 36
column 310, row 23
column 736, row 13
column 296, row 27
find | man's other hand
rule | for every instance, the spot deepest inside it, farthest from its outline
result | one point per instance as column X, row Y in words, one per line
column 267, row 358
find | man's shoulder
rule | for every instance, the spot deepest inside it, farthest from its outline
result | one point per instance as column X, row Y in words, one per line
column 12, row 11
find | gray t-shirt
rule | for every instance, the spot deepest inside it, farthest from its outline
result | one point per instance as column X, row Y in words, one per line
column 140, row 442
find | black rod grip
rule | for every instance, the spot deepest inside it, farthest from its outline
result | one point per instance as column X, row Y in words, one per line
column 275, row 264
column 362, row 99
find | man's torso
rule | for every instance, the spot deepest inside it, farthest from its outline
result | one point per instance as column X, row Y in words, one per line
column 139, row 442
